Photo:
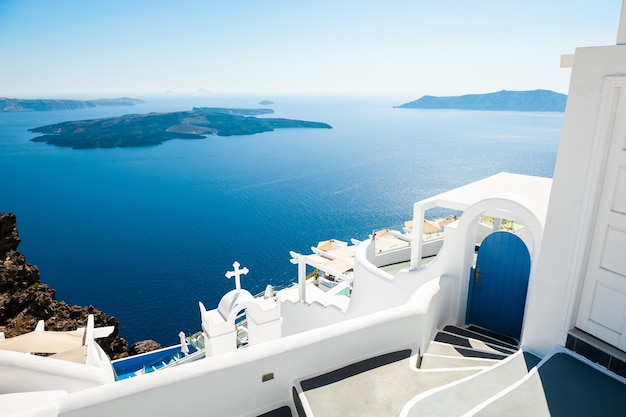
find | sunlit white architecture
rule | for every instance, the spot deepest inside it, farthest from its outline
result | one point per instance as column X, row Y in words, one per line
column 521, row 291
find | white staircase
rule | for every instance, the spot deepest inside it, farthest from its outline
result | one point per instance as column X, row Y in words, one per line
column 382, row 385
column 466, row 347
column 501, row 364
column 464, row 372
column 517, row 384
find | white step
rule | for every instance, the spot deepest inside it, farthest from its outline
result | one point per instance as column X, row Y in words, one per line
column 430, row 361
column 471, row 343
column 563, row 384
column 483, row 334
column 446, row 349
column 459, row 397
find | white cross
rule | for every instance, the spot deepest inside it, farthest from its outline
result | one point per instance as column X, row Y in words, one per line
column 237, row 274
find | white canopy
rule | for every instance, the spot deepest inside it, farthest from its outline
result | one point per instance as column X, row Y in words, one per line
column 43, row 342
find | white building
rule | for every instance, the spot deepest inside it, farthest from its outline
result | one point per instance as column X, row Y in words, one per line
column 559, row 289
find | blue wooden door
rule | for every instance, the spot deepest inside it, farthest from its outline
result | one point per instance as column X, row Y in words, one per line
column 498, row 284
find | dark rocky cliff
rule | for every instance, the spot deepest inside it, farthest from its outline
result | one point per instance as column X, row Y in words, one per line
column 24, row 300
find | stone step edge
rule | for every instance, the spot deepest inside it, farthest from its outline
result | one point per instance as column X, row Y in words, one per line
column 505, row 390
column 494, row 335
column 460, row 358
column 480, row 337
column 464, row 348
column 476, row 368
column 535, row 370
column 507, row 349
column 410, row 404
column 454, row 362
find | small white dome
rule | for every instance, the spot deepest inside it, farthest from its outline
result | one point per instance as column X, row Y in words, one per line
column 230, row 300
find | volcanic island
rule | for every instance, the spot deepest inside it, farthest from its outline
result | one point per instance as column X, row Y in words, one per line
column 133, row 130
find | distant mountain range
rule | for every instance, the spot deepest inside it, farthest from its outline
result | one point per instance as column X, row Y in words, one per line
column 536, row 100
column 20, row 104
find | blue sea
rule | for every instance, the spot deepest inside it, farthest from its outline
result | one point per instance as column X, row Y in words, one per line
column 145, row 233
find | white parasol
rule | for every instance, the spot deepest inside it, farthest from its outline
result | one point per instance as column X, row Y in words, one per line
column 183, row 343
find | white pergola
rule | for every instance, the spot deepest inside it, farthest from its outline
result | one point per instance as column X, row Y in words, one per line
column 335, row 262
column 534, row 191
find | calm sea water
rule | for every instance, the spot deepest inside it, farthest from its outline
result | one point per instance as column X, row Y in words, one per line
column 146, row 233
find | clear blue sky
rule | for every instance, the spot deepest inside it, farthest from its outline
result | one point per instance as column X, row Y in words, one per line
column 413, row 47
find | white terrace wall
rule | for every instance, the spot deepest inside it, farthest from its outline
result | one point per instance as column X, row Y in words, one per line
column 21, row 372
column 300, row 316
column 576, row 191
column 376, row 290
column 231, row 384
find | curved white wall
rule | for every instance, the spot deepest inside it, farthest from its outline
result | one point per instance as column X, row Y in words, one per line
column 232, row 383
column 375, row 290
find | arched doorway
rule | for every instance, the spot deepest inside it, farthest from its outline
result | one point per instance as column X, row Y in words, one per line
column 498, row 284
column 241, row 326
